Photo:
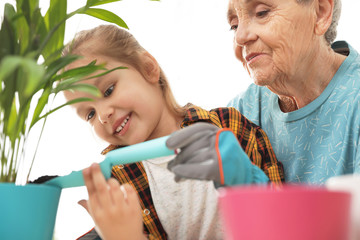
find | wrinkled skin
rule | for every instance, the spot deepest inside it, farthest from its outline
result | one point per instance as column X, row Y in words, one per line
column 286, row 40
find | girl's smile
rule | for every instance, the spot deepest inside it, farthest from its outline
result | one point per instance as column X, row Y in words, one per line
column 122, row 125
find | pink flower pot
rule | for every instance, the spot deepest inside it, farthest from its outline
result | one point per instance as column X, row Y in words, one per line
column 289, row 213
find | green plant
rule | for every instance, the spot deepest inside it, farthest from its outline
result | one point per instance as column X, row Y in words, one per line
column 31, row 66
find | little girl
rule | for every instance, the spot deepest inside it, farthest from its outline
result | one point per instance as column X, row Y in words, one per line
column 137, row 105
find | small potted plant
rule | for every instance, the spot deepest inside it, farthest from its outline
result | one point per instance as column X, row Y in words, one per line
column 31, row 66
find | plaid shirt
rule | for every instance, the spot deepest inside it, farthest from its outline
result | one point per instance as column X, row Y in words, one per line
column 251, row 137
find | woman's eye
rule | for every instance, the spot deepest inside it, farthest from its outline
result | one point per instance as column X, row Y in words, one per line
column 262, row 14
column 233, row 27
column 234, row 23
column 90, row 115
column 109, row 91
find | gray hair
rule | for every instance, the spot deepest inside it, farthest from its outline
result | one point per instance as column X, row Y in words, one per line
column 331, row 33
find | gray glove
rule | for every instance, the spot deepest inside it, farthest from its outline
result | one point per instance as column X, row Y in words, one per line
column 210, row 153
column 197, row 158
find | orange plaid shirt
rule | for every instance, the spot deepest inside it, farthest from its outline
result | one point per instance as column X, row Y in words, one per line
column 251, row 137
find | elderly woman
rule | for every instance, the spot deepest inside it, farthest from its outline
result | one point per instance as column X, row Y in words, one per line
column 306, row 94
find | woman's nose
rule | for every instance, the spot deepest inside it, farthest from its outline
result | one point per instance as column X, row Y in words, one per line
column 244, row 33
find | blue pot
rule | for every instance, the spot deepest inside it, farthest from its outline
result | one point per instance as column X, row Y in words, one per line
column 28, row 212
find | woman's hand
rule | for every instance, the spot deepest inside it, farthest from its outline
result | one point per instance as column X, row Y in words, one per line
column 115, row 209
column 210, row 153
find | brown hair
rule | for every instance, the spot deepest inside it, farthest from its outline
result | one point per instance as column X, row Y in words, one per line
column 121, row 45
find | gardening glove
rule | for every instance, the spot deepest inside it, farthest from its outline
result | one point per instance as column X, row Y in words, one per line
column 210, row 153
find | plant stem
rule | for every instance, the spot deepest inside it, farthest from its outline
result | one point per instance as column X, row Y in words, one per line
column 36, row 149
column 17, row 155
column 3, row 162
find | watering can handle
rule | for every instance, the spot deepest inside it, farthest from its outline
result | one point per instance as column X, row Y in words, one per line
column 134, row 153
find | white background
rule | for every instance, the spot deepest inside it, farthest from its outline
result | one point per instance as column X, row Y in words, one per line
column 192, row 42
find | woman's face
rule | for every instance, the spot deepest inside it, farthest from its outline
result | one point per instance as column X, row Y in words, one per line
column 274, row 39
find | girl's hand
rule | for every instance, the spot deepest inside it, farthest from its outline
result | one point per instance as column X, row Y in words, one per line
column 115, row 209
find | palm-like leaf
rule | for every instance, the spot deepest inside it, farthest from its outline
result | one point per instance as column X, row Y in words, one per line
column 26, row 36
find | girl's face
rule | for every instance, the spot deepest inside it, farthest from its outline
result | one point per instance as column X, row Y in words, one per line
column 130, row 109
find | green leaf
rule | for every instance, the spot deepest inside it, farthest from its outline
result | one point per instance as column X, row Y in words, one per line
column 6, row 98
column 106, row 72
column 59, row 64
column 76, row 74
column 7, row 33
column 43, row 100
column 12, row 122
column 8, row 65
column 23, row 34
column 88, row 88
column 31, row 74
column 53, row 56
column 29, row 84
column 67, row 84
column 91, row 3
column 19, row 129
column 23, row 115
column 77, row 100
column 106, row 16
column 28, row 8
column 26, row 35
column 40, row 30
column 54, row 19
column 35, row 74
column 23, row 22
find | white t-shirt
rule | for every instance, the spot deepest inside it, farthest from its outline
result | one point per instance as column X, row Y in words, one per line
column 187, row 209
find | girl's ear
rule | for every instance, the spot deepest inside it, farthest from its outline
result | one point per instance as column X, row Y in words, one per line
column 151, row 68
column 324, row 11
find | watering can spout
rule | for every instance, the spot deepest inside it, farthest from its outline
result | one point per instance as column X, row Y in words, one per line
column 134, row 153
